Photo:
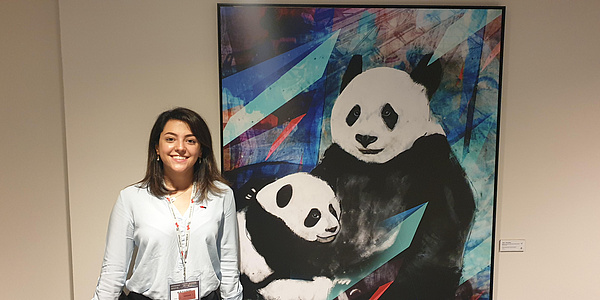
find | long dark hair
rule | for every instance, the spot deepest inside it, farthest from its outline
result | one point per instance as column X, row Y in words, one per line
column 206, row 173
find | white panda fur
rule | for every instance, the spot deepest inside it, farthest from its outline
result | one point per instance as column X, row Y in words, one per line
column 389, row 155
column 301, row 198
column 284, row 232
column 292, row 289
column 252, row 264
column 391, row 87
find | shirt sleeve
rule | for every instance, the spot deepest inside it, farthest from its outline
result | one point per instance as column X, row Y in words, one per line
column 117, row 255
column 231, row 288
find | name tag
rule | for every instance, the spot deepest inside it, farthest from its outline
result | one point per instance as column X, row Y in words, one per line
column 184, row 291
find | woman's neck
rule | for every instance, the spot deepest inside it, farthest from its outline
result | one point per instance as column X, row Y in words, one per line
column 181, row 191
column 178, row 182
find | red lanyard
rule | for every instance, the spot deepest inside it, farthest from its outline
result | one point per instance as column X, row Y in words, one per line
column 183, row 234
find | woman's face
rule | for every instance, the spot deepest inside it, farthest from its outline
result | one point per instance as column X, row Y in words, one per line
column 178, row 148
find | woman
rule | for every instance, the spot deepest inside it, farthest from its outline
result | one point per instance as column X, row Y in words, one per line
column 181, row 217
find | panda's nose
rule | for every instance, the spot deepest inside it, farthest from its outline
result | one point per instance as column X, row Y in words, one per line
column 331, row 229
column 365, row 140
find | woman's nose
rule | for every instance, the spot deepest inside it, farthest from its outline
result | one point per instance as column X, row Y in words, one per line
column 180, row 146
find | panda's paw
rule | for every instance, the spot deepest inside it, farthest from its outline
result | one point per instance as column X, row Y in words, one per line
column 294, row 289
column 342, row 281
column 251, row 195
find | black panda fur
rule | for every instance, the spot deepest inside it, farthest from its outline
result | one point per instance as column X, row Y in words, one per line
column 286, row 254
column 370, row 192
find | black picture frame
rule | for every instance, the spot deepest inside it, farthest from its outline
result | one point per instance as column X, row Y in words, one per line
column 281, row 71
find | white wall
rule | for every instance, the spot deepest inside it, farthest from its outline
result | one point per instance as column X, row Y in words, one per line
column 34, row 256
column 549, row 183
column 125, row 61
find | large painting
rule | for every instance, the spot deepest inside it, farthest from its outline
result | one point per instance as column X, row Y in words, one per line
column 362, row 143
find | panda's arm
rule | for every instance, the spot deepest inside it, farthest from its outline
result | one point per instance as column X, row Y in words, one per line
column 252, row 263
column 335, row 162
column 283, row 289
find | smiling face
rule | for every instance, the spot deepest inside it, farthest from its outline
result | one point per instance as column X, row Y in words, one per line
column 178, row 149
column 380, row 114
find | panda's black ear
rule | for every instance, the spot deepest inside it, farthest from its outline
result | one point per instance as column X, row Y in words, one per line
column 249, row 189
column 251, row 195
column 428, row 75
column 354, row 68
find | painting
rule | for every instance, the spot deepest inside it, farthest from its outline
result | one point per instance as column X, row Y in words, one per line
column 361, row 143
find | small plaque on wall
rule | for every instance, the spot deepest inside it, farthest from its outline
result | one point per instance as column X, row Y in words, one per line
column 512, row 245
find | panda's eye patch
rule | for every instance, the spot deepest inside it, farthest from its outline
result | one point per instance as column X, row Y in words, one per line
column 389, row 116
column 284, row 195
column 332, row 211
column 353, row 115
column 313, row 218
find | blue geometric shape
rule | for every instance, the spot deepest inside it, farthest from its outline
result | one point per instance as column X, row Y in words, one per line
column 298, row 78
column 246, row 84
column 471, row 22
column 404, row 232
column 394, row 221
column 477, row 260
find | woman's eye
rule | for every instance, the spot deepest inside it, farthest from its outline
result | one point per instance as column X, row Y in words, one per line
column 192, row 142
column 169, row 139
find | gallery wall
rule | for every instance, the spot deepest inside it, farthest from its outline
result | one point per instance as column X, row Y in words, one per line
column 67, row 153
column 34, row 228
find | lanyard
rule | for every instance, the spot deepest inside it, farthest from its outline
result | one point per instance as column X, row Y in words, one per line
column 183, row 232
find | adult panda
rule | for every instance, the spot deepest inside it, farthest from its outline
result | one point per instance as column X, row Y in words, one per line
column 285, row 235
column 388, row 155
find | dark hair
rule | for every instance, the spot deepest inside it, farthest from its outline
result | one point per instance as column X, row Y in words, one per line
column 206, row 173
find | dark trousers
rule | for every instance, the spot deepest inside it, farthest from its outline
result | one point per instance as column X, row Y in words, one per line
column 214, row 295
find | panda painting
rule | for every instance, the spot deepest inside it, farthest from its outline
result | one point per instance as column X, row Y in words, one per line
column 389, row 154
column 285, row 234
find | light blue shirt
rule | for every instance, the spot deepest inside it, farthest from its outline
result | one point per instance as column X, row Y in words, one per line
column 143, row 220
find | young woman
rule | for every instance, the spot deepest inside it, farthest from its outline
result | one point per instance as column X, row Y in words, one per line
column 181, row 217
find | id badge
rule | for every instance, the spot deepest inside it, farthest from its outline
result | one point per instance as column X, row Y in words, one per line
column 184, row 291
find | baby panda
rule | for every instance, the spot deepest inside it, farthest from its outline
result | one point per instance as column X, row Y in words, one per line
column 388, row 155
column 285, row 232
